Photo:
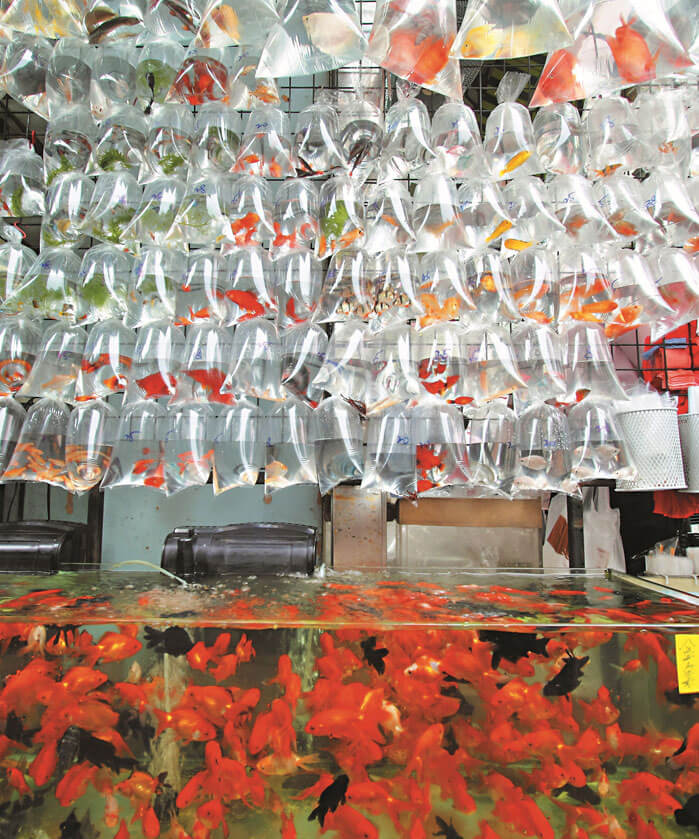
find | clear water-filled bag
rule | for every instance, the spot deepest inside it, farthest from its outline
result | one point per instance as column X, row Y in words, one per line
column 620, row 198
column 249, row 211
column 201, row 78
column 90, row 436
column 436, row 215
column 391, row 287
column 169, row 142
column 298, row 280
column 67, row 203
column 156, row 214
column 113, row 80
column 248, row 285
column 489, row 283
column 339, row 441
column 345, row 294
column 676, row 276
column 266, row 146
column 107, row 21
column 438, row 356
column 156, row 274
column 635, row 292
column 561, row 143
column 389, row 461
column 545, row 458
column 107, row 361
column 15, row 261
column 56, row 368
column 665, row 132
column 156, row 69
column 392, row 376
column 121, row 142
column 588, row 363
column 528, row 206
column 598, row 446
column 177, row 22
column 361, row 126
column 304, row 350
column 483, row 214
column 232, row 23
column 290, row 448
column 68, row 74
column 247, row 90
column 295, row 216
column 388, row 220
column 49, row 288
column 509, row 137
column 188, row 449
column 440, row 446
column 205, row 362
column 138, row 454
column 201, row 298
column 455, row 140
column 585, row 289
column 239, row 446
column 442, row 289
column 256, row 360
column 21, row 182
column 613, row 136
column 341, row 216
column 577, row 209
column 538, row 352
column 12, row 416
column 346, row 369
column 40, row 452
column 316, row 146
column 200, row 218
column 670, row 204
column 406, row 140
column 68, row 142
column 20, row 340
column 24, row 71
column 535, row 285
column 217, row 134
column 492, row 446
column 157, row 360
column 489, row 366
column 115, row 201
column 103, row 283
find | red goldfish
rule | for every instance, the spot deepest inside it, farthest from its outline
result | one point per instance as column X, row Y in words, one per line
column 558, row 82
column 631, row 54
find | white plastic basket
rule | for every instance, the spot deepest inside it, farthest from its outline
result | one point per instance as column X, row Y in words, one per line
column 653, row 445
column 689, row 437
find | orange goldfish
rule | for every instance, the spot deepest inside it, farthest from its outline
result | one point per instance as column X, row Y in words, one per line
column 631, row 54
column 73, row 784
column 186, row 723
column 648, row 792
column 416, row 58
column 559, row 82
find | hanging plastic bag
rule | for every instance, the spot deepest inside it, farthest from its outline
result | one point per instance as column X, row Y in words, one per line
column 561, row 143
column 200, row 218
column 338, row 437
column 509, row 136
column 620, row 198
column 239, row 447
column 617, row 43
column 115, row 201
column 298, row 283
column 456, row 141
column 248, row 285
column 392, row 378
column 49, row 288
column 345, row 295
column 676, row 276
column 188, row 449
column 491, row 442
column 201, row 78
column 436, row 215
column 489, row 283
column 68, row 75
column 256, row 360
column 539, row 357
column 604, row 549
column 665, row 134
column 492, row 29
column 156, row 214
column 113, row 80
column 68, row 142
column 529, row 207
column 413, row 41
column 588, row 363
column 266, row 146
column 670, row 205
column 346, row 369
column 440, row 446
column 635, row 293
column 24, row 72
column 389, row 217
column 482, row 213
column 40, row 451
column 442, row 291
column 576, row 208
column 157, row 360
column 489, row 366
column 67, row 203
column 12, row 417
column 49, row 18
column 20, row 339
column 341, row 216
column 217, row 134
column 406, row 140
column 201, row 298
column 177, row 23
column 15, row 260
column 316, row 149
column 56, row 369
column 229, row 23
column 138, row 454
column 103, row 284
column 535, row 285
column 290, row 450
column 389, row 464
column 391, row 280
column 438, row 356
column 21, row 183
column 296, row 214
column 90, row 436
column 113, row 20
column 543, row 439
column 107, row 361
column 585, row 290
column 157, row 272
column 249, row 211
column 204, row 366
column 157, row 67
column 304, row 351
column 599, row 449
column 613, row 136
column 361, row 127
column 313, row 37
column 169, row 142
column 122, row 142
column 246, row 90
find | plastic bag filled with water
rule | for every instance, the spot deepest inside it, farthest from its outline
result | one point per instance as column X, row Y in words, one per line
column 256, row 361
column 436, row 215
column 169, row 142
column 676, row 275
column 509, row 136
column 20, row 340
column 545, row 461
column 345, row 295
column 665, row 133
column 90, row 437
column 68, row 74
column 598, row 446
column 585, row 291
column 188, row 449
column 339, row 441
column 15, row 260
column 178, row 20
column 361, row 126
column 200, row 218
column 438, row 356
column 246, row 90
column 69, row 140
column 113, row 79
column 121, row 142
column 56, row 368
column 103, row 283
column 389, row 464
column 205, row 362
column 107, row 21
column 561, row 143
column 304, row 350
column 483, row 214
column 346, row 370
column 528, row 206
column 239, row 446
column 489, row 366
column 295, row 216
column 106, row 364
column 588, row 363
column 491, row 444
column 455, row 140
column 227, row 22
column 534, row 274
column 613, row 136
column 406, row 140
column 115, row 201
column 538, row 352
column 40, row 452
column 248, row 284
column 156, row 69
column 392, row 378
column 202, row 77
column 391, row 282
column 670, row 204
column 201, row 297
column 316, row 146
column 157, row 360
column 440, row 446
column 12, row 417
column 266, row 146
column 160, row 201
column 489, row 283
column 49, row 288
column 68, row 199
column 442, row 290
column 21, row 182
column 138, row 454
column 24, row 71
column 388, row 220
column 156, row 273
column 217, row 134
column 576, row 208
column 290, row 448
column 341, row 216
column 635, row 292
column 298, row 280
column 249, row 211
column 620, row 198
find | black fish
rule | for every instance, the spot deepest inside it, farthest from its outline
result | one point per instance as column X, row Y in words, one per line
column 15, row 730
column 164, row 805
column 187, row 613
column 108, row 26
column 449, row 743
column 150, row 80
column 466, row 709
column 330, row 799
column 686, row 700
column 130, row 724
column 446, row 830
column 173, row 641
column 101, row 753
column 569, row 677
column 688, row 816
column 512, row 645
column 68, row 747
column 60, row 632
column 71, row 828
column 584, row 795
column 374, row 656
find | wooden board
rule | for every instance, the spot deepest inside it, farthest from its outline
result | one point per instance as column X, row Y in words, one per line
column 472, row 512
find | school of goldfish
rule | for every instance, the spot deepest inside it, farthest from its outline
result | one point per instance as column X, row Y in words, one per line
column 199, row 731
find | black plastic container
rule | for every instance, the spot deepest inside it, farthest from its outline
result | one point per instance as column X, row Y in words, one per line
column 42, row 547
column 251, row 548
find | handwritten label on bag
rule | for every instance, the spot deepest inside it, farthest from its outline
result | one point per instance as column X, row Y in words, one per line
column 687, row 654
